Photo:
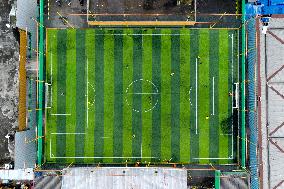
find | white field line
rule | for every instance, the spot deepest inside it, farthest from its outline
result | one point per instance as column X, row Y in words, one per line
column 238, row 93
column 238, row 56
column 232, row 71
column 51, row 96
column 60, row 114
column 144, row 93
column 214, row 158
column 225, row 134
column 46, row 95
column 87, row 96
column 138, row 34
column 190, row 104
column 196, row 89
column 213, row 95
column 232, row 129
column 68, row 133
column 108, row 157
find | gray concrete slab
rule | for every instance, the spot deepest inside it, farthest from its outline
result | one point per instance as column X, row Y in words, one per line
column 276, row 159
column 124, row 178
column 72, row 14
column 272, row 104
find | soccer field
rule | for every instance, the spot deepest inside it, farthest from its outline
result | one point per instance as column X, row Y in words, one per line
column 154, row 95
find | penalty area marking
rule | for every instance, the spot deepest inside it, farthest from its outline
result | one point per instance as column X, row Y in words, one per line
column 232, row 129
column 232, row 72
column 51, row 155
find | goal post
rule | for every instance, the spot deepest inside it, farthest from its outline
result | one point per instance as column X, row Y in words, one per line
column 236, row 96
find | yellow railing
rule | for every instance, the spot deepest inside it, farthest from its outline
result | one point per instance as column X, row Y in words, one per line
column 22, row 80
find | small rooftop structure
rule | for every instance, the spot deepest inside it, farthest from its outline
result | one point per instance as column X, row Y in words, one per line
column 16, row 174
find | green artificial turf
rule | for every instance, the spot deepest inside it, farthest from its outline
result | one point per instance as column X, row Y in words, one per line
column 137, row 94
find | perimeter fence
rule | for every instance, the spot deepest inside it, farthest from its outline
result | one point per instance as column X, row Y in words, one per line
column 251, row 101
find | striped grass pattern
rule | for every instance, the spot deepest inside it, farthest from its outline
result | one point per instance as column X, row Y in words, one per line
column 149, row 95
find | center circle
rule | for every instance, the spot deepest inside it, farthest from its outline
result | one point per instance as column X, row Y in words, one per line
column 141, row 95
